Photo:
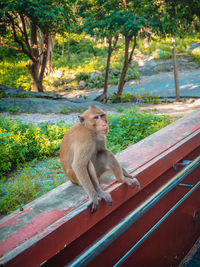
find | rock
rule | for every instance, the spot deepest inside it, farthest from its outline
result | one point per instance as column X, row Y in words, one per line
column 82, row 84
column 39, row 105
column 137, row 100
column 70, row 79
column 115, row 72
column 58, row 83
column 147, row 71
column 94, row 75
column 190, row 101
column 134, row 64
column 193, row 46
column 10, row 91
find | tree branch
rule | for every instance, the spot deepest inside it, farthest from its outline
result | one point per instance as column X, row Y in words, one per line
column 11, row 46
column 25, row 32
column 23, row 49
column 134, row 46
column 44, row 59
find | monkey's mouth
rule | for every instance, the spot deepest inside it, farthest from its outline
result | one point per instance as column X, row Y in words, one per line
column 106, row 131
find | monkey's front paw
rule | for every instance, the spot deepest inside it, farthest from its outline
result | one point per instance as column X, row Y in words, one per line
column 94, row 207
column 107, row 197
column 132, row 182
column 137, row 183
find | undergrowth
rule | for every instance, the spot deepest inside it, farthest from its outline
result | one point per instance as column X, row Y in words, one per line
column 86, row 56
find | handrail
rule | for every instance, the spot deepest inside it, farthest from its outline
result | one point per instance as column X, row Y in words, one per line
column 144, row 237
column 90, row 253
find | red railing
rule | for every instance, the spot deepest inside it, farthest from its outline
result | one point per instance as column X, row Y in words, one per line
column 58, row 227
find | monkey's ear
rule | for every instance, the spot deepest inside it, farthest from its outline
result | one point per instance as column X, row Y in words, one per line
column 82, row 120
column 91, row 106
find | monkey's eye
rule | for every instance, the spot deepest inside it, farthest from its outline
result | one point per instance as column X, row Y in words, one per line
column 97, row 117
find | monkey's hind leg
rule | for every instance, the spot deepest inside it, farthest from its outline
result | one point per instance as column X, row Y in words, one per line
column 102, row 194
column 120, row 173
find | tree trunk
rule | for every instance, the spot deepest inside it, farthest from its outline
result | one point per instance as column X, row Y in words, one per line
column 38, row 65
column 44, row 57
column 63, row 47
column 48, row 69
column 34, row 66
column 110, row 50
column 175, row 70
column 34, row 71
column 105, row 91
column 127, row 61
column 125, row 67
column 68, row 49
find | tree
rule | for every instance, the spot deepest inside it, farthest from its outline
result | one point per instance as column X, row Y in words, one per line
column 30, row 25
column 175, row 18
column 131, row 23
column 101, row 20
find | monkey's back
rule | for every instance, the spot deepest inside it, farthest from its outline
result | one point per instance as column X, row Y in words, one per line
column 74, row 138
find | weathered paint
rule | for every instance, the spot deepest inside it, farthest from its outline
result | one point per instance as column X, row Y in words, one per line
column 28, row 230
column 61, row 221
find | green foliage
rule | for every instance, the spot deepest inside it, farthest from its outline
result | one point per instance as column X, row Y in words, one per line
column 195, row 53
column 30, row 182
column 52, row 15
column 65, row 110
column 13, row 109
column 20, row 143
column 128, row 97
column 162, row 48
column 13, row 72
column 132, row 126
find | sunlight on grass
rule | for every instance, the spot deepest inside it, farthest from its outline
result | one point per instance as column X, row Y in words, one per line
column 15, row 74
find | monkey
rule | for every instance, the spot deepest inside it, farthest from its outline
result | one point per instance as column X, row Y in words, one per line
column 85, row 158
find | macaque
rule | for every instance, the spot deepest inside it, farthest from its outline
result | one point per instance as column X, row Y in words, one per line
column 85, row 158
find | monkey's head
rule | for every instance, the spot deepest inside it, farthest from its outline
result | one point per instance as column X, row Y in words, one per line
column 95, row 119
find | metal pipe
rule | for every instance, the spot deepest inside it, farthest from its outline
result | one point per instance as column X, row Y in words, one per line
column 148, row 234
column 90, row 253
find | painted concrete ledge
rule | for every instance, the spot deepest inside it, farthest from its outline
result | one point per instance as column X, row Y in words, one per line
column 62, row 215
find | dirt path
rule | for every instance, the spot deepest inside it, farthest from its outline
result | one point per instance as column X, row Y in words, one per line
column 171, row 109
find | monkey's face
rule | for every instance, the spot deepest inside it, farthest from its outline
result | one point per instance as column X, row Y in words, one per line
column 95, row 119
column 100, row 124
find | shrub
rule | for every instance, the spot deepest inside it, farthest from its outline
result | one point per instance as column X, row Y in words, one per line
column 128, row 97
column 21, row 142
column 29, row 183
column 131, row 126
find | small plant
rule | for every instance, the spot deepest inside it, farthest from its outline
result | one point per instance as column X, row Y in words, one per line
column 131, row 126
column 30, row 182
column 128, row 97
column 82, row 76
column 65, row 110
column 196, row 54
column 120, row 109
column 13, row 109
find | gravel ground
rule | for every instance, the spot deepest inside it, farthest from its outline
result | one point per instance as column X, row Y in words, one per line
column 37, row 118
column 171, row 109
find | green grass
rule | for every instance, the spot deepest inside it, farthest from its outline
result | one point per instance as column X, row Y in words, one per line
column 23, row 143
column 13, row 72
column 29, row 182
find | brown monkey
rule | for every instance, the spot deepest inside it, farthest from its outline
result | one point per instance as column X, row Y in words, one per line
column 84, row 156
